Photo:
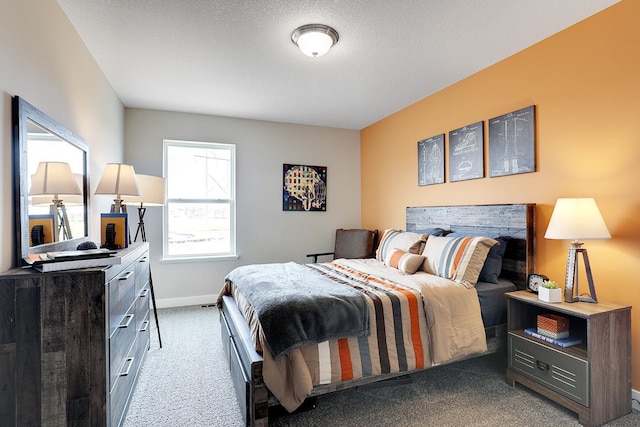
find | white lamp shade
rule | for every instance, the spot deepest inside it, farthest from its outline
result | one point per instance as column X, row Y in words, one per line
column 152, row 189
column 69, row 199
column 576, row 219
column 118, row 180
column 54, row 179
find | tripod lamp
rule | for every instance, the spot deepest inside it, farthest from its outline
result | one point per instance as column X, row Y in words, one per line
column 52, row 181
column 118, row 180
column 153, row 190
column 575, row 220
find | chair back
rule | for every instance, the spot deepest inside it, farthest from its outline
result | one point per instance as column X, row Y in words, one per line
column 355, row 243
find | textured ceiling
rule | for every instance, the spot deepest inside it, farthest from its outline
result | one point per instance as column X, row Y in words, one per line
column 235, row 57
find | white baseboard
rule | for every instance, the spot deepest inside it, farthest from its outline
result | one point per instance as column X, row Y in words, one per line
column 186, row 301
column 635, row 400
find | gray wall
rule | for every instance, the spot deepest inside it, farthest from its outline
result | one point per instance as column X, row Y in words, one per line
column 43, row 60
column 264, row 232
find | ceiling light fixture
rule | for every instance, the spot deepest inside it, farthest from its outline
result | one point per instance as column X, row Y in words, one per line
column 314, row 39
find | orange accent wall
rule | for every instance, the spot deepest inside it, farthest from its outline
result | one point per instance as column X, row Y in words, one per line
column 585, row 84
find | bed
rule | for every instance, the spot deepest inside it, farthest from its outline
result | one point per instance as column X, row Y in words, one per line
column 253, row 361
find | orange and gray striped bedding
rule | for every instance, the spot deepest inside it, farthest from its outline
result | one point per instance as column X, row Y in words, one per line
column 416, row 321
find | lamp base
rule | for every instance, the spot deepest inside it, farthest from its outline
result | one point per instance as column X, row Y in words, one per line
column 118, row 206
column 59, row 211
column 571, row 293
column 140, row 230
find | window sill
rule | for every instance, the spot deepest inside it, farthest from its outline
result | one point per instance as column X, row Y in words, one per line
column 199, row 259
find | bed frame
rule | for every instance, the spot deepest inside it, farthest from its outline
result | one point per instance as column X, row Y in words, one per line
column 514, row 220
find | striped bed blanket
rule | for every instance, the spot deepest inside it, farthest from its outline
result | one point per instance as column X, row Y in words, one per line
column 415, row 322
column 298, row 304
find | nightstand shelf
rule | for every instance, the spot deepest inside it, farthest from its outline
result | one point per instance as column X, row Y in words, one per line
column 593, row 378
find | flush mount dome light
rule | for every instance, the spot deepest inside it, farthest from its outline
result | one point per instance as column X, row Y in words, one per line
column 314, row 39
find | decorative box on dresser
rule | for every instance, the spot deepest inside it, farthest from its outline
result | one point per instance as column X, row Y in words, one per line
column 593, row 378
column 72, row 342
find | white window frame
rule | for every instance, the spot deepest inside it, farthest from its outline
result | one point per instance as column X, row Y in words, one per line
column 232, row 254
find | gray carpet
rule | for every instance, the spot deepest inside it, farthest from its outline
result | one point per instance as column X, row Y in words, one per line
column 187, row 383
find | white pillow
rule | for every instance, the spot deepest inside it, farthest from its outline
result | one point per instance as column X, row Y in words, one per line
column 403, row 261
column 398, row 239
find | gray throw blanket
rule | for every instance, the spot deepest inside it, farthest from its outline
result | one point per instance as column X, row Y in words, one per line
column 297, row 305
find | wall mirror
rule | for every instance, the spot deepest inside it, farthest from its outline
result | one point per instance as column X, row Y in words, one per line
column 49, row 216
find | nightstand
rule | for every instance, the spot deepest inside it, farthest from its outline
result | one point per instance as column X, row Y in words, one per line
column 592, row 379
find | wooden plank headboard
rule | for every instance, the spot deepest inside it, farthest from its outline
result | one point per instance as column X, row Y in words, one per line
column 515, row 221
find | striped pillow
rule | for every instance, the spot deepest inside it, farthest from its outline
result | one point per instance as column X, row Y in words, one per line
column 456, row 258
column 399, row 239
column 403, row 261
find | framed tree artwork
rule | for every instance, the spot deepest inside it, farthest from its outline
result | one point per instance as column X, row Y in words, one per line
column 466, row 152
column 304, row 188
column 512, row 143
column 431, row 160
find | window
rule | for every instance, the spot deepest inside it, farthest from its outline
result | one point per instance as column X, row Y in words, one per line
column 199, row 216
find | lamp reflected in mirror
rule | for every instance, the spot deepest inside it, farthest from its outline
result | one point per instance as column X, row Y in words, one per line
column 54, row 181
column 577, row 219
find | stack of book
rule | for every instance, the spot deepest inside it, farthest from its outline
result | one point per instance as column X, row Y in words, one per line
column 554, row 329
column 68, row 260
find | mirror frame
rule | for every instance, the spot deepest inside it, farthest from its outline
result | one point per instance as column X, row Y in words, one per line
column 22, row 113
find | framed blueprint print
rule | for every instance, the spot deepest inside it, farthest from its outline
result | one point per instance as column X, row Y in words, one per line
column 466, row 152
column 304, row 188
column 512, row 143
column 431, row 160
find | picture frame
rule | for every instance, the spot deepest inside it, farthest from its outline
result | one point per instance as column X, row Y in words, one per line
column 512, row 143
column 42, row 229
column 304, row 188
column 114, row 230
column 431, row 160
column 466, row 152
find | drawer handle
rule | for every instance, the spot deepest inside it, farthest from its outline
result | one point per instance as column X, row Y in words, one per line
column 126, row 276
column 143, row 259
column 125, row 373
column 542, row 366
column 144, row 293
column 129, row 318
column 145, row 325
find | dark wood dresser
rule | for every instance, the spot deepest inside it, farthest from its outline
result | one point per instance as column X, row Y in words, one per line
column 72, row 342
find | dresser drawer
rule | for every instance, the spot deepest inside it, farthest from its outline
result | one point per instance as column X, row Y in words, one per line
column 120, row 344
column 125, row 377
column 561, row 372
column 121, row 296
column 142, row 306
column 119, row 395
column 142, row 342
column 141, row 267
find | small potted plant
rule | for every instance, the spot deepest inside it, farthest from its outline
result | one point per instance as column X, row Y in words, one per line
column 550, row 292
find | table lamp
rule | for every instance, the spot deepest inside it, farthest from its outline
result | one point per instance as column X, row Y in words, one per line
column 118, row 180
column 577, row 219
column 55, row 180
